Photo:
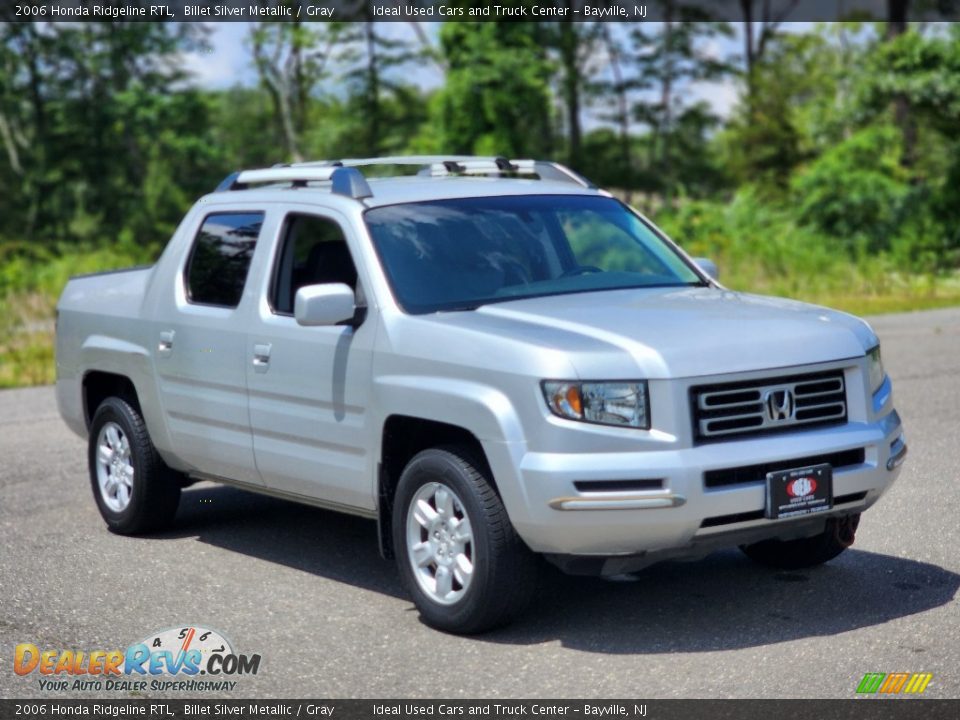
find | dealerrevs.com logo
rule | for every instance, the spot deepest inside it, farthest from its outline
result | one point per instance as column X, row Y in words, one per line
column 189, row 658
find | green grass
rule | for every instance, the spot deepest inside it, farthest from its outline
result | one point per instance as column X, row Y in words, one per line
column 31, row 280
column 26, row 339
column 28, row 361
column 761, row 248
column 861, row 293
column 883, row 304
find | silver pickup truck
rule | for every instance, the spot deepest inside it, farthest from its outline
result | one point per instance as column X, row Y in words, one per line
column 494, row 360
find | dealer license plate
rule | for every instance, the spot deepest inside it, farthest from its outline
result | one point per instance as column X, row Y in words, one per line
column 802, row 491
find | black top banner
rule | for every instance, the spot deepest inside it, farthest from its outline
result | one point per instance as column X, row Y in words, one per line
column 759, row 11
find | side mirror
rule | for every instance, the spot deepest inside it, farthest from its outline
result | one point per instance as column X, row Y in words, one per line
column 326, row 304
column 708, row 266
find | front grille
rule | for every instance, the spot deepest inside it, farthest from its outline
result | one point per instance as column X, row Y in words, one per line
column 768, row 405
column 758, row 473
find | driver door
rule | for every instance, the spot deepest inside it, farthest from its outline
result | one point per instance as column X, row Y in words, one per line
column 309, row 387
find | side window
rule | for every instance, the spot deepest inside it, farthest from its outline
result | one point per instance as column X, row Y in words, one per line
column 314, row 252
column 220, row 259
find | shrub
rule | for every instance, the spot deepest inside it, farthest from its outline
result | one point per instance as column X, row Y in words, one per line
column 856, row 191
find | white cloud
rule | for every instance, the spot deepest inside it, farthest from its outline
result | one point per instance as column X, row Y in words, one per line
column 229, row 60
column 721, row 95
column 227, row 63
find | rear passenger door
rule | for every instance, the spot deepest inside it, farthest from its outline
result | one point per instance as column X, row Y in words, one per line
column 201, row 356
column 309, row 387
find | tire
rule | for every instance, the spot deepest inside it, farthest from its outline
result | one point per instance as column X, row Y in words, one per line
column 438, row 491
column 134, row 490
column 836, row 537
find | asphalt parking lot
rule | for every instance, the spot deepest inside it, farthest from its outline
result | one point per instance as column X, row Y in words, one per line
column 306, row 589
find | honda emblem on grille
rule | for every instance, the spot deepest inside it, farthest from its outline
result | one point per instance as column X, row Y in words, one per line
column 780, row 404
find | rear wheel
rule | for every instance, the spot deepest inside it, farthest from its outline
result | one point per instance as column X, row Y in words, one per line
column 457, row 552
column 135, row 491
column 836, row 537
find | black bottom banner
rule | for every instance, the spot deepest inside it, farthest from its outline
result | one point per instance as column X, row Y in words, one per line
column 867, row 709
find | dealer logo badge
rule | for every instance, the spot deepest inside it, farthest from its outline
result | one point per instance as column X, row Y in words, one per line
column 188, row 658
column 801, row 487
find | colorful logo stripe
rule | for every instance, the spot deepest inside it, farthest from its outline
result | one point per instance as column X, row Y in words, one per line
column 894, row 683
column 871, row 682
column 918, row 683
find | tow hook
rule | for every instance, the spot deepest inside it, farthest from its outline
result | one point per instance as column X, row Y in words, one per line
column 845, row 529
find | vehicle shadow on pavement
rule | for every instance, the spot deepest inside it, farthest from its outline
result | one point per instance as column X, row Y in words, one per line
column 320, row 542
column 726, row 602
column 720, row 603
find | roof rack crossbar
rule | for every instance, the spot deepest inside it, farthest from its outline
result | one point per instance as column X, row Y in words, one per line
column 345, row 179
column 497, row 166
column 285, row 174
column 412, row 160
column 560, row 173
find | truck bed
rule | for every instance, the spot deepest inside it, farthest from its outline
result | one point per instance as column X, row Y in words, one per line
column 99, row 322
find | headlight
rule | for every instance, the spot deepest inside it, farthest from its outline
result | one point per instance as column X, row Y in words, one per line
column 604, row 403
column 876, row 369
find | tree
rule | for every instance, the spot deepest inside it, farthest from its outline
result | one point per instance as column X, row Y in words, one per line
column 89, row 104
column 924, row 72
column 496, row 100
column 758, row 33
column 373, row 58
column 575, row 43
column 896, row 26
column 855, row 191
column 790, row 111
column 666, row 62
column 290, row 58
column 620, row 171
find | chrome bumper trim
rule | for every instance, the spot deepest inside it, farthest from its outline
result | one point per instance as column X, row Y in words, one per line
column 898, row 451
column 649, row 502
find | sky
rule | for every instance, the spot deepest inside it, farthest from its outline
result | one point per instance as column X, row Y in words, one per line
column 229, row 63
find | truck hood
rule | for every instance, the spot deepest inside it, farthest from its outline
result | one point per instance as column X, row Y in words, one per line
column 676, row 333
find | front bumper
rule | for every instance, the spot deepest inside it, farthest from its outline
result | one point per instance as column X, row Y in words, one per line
column 559, row 515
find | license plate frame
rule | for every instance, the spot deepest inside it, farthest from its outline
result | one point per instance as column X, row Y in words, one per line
column 796, row 492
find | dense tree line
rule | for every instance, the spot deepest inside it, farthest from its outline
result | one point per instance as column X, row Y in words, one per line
column 848, row 132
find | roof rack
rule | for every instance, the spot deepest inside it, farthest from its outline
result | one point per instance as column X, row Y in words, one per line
column 345, row 179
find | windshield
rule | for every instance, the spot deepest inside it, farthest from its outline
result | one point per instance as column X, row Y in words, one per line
column 463, row 253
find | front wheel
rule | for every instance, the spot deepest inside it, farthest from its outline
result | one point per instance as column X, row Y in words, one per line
column 836, row 537
column 457, row 552
column 135, row 491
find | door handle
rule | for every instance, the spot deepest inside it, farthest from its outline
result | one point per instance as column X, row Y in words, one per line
column 166, row 342
column 261, row 357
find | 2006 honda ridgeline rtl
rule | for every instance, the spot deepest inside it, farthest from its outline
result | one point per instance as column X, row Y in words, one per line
column 492, row 359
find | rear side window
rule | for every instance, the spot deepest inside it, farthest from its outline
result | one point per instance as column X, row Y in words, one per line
column 220, row 259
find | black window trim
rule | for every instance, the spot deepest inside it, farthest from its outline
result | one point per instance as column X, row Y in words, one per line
column 283, row 238
column 193, row 249
column 281, row 246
